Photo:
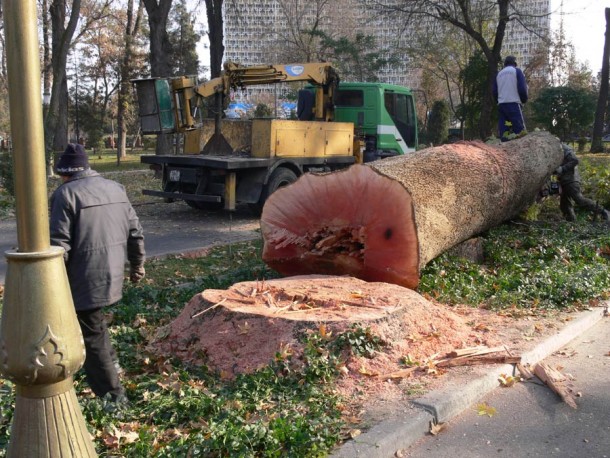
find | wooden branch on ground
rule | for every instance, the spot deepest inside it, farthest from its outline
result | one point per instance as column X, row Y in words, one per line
column 474, row 351
column 476, row 356
column 556, row 381
column 479, row 360
column 525, row 371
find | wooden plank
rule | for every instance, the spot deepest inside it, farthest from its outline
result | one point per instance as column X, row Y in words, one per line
column 473, row 351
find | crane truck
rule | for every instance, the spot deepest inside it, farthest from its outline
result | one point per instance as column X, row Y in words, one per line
column 245, row 161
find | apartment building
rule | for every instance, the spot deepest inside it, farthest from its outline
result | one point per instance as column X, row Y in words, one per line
column 256, row 31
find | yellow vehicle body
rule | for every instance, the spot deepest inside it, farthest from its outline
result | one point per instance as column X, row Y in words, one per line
column 278, row 137
column 287, row 138
column 238, row 133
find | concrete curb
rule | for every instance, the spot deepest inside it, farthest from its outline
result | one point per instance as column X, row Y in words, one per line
column 385, row 438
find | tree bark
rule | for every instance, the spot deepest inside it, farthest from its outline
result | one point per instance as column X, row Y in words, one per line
column 602, row 101
column 131, row 31
column 160, row 47
column 55, row 122
column 216, row 35
column 384, row 221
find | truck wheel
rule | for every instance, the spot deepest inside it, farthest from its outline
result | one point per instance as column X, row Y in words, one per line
column 279, row 178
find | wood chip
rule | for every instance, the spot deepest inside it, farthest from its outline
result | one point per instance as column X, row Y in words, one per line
column 525, row 371
column 403, row 373
column 209, row 308
column 556, row 381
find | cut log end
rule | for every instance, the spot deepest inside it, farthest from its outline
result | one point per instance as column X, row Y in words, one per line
column 360, row 224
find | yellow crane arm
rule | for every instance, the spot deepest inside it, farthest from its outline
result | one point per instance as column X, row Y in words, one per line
column 237, row 76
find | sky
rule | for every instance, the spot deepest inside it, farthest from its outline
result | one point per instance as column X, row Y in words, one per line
column 584, row 25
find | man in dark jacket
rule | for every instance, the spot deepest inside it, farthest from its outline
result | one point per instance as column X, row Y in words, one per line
column 93, row 220
column 569, row 179
column 510, row 90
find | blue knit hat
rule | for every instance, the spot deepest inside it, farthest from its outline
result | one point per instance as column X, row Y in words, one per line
column 74, row 159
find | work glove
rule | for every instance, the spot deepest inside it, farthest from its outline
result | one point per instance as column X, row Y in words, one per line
column 136, row 273
column 558, row 170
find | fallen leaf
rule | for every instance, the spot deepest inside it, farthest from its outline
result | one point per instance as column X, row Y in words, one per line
column 324, row 332
column 508, row 380
column 343, row 370
column 436, row 428
column 354, row 433
column 171, row 382
column 484, row 409
column 364, row 371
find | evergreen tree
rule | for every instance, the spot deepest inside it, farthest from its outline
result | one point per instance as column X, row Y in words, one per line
column 438, row 123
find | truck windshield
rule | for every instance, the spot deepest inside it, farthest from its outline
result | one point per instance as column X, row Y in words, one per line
column 402, row 111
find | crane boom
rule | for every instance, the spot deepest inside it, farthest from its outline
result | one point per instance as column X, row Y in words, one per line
column 237, row 76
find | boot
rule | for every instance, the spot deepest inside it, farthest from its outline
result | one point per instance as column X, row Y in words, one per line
column 605, row 215
column 570, row 215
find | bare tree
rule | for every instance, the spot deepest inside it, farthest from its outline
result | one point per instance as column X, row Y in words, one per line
column 132, row 27
column 470, row 17
column 65, row 17
column 56, row 120
column 216, row 35
column 442, row 56
column 298, row 40
column 160, row 47
column 602, row 101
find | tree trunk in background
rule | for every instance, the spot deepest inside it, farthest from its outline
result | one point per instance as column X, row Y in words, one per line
column 131, row 30
column 60, row 139
column 386, row 220
column 56, row 119
column 602, row 101
column 160, row 47
column 216, row 36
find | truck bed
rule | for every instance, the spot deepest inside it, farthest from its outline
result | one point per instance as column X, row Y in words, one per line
column 235, row 162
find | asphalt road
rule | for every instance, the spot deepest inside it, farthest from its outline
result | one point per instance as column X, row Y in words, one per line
column 177, row 230
column 530, row 420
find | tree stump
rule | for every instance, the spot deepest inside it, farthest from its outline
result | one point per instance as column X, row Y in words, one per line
column 242, row 328
column 384, row 221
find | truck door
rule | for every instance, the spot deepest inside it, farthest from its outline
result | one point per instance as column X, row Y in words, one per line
column 401, row 109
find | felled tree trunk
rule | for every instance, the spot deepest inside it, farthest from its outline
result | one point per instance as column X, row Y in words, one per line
column 386, row 220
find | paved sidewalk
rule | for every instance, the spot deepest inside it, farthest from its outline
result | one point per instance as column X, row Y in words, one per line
column 531, row 420
column 392, row 436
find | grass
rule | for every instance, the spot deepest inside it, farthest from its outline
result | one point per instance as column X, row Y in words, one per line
column 288, row 409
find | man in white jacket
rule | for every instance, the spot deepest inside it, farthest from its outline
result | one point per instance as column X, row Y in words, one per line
column 510, row 90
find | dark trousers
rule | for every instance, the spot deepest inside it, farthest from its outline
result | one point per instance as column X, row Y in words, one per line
column 100, row 357
column 570, row 195
column 510, row 120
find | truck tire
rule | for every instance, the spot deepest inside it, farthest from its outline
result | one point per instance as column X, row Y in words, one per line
column 279, row 178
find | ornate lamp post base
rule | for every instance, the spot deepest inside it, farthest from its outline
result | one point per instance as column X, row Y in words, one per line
column 40, row 349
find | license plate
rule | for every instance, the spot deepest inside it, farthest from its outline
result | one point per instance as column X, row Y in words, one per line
column 174, row 175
